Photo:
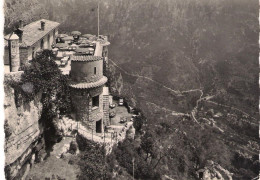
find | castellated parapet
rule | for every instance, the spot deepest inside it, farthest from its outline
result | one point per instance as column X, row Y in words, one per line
column 86, row 90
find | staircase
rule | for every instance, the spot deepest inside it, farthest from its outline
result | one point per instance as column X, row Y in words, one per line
column 106, row 110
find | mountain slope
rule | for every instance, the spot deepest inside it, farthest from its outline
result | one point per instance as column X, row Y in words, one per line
column 28, row 11
column 161, row 48
column 183, row 45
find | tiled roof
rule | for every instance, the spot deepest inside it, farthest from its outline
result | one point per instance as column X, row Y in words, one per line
column 32, row 32
column 98, row 83
column 85, row 58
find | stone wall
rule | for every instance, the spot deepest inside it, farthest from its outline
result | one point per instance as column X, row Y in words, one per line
column 23, row 136
column 82, row 104
column 6, row 56
column 23, row 56
column 84, row 71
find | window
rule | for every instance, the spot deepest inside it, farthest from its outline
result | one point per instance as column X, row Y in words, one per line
column 42, row 43
column 95, row 70
column 82, row 93
column 99, row 126
column 95, row 102
column 49, row 45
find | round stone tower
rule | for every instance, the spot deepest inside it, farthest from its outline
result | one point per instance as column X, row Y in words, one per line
column 86, row 89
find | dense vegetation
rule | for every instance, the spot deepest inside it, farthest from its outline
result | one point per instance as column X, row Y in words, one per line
column 92, row 160
column 42, row 76
column 177, row 153
column 18, row 9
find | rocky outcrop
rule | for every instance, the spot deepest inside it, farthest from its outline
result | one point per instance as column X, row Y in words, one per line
column 213, row 171
column 24, row 132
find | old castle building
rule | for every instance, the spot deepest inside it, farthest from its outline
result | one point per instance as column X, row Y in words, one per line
column 89, row 100
column 88, row 92
column 35, row 36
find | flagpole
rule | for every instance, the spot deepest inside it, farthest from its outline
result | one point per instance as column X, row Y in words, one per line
column 98, row 18
column 133, row 168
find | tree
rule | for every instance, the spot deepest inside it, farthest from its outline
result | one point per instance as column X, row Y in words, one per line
column 44, row 76
column 92, row 160
column 126, row 151
column 148, row 144
column 139, row 121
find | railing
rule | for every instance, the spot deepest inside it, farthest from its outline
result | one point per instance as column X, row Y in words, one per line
column 99, row 137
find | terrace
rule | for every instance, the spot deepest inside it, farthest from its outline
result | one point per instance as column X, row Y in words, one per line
column 86, row 44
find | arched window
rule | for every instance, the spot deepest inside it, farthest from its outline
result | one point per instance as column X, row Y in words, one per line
column 95, row 70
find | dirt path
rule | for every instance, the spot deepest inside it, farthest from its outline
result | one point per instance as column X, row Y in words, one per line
column 174, row 113
column 178, row 92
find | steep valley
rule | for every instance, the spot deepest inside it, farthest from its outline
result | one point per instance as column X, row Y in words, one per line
column 163, row 50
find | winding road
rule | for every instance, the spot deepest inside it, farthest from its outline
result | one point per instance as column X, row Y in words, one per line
column 178, row 92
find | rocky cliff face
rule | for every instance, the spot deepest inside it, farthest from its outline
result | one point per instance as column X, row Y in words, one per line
column 23, row 131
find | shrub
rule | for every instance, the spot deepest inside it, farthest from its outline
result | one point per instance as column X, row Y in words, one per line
column 138, row 122
column 73, row 147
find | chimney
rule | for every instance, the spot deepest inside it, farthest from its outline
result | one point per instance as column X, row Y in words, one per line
column 19, row 33
column 20, row 23
column 21, row 37
column 42, row 25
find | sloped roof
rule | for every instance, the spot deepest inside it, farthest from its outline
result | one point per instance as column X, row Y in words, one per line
column 85, row 58
column 32, row 32
column 98, row 83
